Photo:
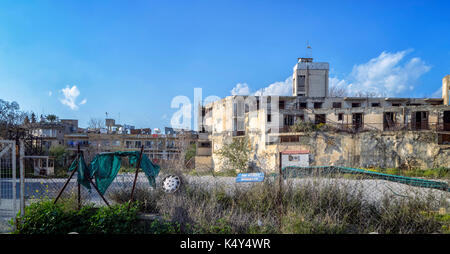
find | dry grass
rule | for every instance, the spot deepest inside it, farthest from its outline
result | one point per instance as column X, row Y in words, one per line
column 299, row 209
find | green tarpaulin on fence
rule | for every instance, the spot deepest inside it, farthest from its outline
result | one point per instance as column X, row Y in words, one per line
column 105, row 166
column 83, row 170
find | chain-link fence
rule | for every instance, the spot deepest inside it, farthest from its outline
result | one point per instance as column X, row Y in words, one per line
column 47, row 187
column 8, row 184
column 327, row 191
column 371, row 186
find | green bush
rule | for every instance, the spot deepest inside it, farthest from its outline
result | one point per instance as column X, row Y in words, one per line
column 162, row 227
column 44, row 217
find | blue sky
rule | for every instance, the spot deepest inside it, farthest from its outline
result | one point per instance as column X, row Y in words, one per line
column 131, row 58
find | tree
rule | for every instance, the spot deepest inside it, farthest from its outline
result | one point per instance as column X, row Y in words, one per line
column 236, row 155
column 33, row 117
column 365, row 94
column 26, row 120
column 51, row 118
column 59, row 152
column 10, row 117
column 96, row 123
column 337, row 91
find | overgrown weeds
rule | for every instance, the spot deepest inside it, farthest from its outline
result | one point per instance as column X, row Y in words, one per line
column 253, row 208
column 308, row 208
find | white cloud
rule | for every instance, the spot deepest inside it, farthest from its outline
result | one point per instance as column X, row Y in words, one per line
column 240, row 89
column 280, row 88
column 384, row 75
column 70, row 96
column 50, row 93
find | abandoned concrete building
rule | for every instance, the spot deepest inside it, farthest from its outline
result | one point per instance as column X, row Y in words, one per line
column 344, row 131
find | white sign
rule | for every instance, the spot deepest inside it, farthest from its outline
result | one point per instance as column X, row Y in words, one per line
column 298, row 159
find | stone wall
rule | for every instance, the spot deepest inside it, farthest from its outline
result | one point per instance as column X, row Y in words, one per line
column 368, row 149
column 362, row 150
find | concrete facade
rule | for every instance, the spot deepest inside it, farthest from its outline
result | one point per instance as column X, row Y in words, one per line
column 310, row 79
column 446, row 89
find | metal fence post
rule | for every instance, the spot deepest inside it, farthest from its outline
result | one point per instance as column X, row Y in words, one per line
column 14, row 176
column 22, row 179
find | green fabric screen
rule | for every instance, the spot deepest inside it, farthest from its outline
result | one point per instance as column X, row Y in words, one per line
column 105, row 166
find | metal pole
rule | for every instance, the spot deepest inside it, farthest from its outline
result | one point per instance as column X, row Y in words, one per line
column 78, row 183
column 280, row 203
column 65, row 185
column 95, row 186
column 67, row 182
column 22, row 179
column 136, row 175
column 14, row 176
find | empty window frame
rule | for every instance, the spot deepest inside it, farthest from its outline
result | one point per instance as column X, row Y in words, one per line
column 376, row 104
column 337, row 104
column 319, row 118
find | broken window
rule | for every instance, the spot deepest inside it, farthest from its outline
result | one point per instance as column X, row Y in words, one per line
column 317, row 104
column 288, row 139
column 288, row 120
column 356, row 105
column 419, row 120
column 376, row 104
column 269, row 118
column 446, row 120
column 205, row 144
column 319, row 118
column 396, row 104
column 357, row 121
column 388, row 120
column 301, row 85
column 281, row 104
column 302, row 105
column 340, row 117
column 337, row 104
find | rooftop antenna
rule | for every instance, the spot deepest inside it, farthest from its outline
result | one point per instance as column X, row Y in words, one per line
column 308, row 50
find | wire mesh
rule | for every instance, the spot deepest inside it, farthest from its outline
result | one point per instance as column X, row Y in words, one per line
column 8, row 194
column 48, row 187
column 372, row 187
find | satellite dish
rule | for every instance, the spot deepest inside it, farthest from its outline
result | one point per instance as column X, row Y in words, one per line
column 171, row 183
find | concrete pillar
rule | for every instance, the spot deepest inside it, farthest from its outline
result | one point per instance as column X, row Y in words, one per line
column 445, row 89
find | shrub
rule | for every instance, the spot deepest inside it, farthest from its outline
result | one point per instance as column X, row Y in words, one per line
column 115, row 220
column 147, row 198
column 236, row 155
column 44, row 217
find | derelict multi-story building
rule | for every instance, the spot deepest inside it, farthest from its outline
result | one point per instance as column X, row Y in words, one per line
column 347, row 131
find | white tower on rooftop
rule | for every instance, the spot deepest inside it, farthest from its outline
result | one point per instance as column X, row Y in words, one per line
column 310, row 79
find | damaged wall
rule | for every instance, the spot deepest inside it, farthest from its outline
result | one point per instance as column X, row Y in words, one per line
column 368, row 149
